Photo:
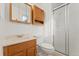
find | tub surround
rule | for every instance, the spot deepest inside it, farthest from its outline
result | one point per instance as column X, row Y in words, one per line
column 13, row 39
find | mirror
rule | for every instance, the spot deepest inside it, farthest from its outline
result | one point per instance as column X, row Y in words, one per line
column 21, row 12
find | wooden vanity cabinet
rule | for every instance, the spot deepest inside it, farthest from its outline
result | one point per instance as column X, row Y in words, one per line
column 27, row 48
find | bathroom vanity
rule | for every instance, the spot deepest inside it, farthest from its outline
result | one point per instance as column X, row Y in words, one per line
column 27, row 48
column 22, row 46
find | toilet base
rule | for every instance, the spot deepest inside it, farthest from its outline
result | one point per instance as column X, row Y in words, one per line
column 44, row 51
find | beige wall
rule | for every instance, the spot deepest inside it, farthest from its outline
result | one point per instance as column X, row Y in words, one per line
column 0, row 9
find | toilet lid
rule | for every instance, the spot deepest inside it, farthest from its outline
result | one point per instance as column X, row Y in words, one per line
column 46, row 45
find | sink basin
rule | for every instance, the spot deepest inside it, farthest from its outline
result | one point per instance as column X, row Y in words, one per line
column 19, row 36
column 13, row 39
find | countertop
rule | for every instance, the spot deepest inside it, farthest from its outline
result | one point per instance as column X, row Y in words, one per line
column 9, row 40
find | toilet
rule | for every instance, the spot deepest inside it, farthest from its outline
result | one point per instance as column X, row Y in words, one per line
column 46, row 48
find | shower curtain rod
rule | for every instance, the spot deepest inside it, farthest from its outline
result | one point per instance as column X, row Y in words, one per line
column 61, row 6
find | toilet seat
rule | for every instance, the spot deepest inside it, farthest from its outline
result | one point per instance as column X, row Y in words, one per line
column 46, row 46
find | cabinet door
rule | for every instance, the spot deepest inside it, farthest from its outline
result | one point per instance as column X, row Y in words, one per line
column 31, row 51
column 38, row 14
column 74, row 29
column 59, row 30
column 21, row 53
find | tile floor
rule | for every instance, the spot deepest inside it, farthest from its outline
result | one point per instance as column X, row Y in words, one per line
column 40, row 52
